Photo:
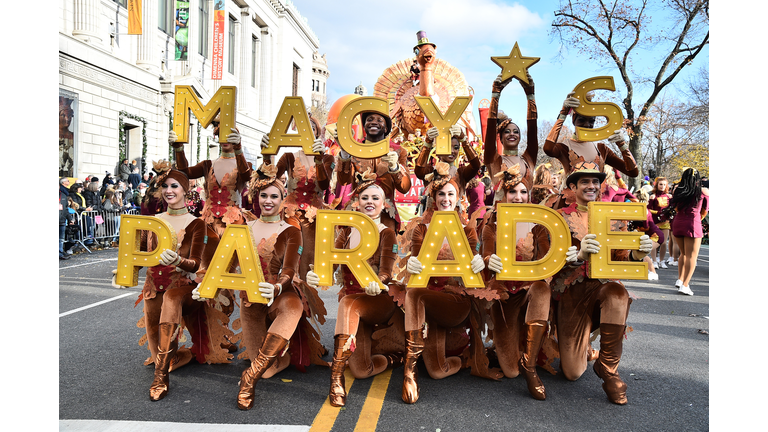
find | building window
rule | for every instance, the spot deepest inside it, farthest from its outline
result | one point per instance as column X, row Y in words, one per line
column 231, row 52
column 123, row 3
column 254, row 48
column 202, row 37
column 166, row 10
column 295, row 88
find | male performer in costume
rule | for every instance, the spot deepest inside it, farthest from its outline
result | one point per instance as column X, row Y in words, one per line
column 584, row 304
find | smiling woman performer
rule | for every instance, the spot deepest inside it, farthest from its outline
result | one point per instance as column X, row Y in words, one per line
column 509, row 134
column 445, row 304
column 363, row 308
column 523, row 310
column 167, row 292
column 278, row 244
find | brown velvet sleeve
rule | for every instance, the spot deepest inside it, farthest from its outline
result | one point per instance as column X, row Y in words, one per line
column 532, row 146
column 387, row 256
column 290, row 240
column 474, row 242
column 625, row 164
column 551, row 147
column 422, row 167
column 490, row 152
column 194, row 243
column 402, row 181
column 323, row 171
column 197, row 171
column 244, row 169
column 417, row 237
column 345, row 171
column 469, row 171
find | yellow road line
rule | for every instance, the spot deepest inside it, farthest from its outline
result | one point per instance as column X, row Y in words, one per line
column 369, row 415
column 326, row 417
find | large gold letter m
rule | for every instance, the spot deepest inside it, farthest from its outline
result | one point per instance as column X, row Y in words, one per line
column 185, row 99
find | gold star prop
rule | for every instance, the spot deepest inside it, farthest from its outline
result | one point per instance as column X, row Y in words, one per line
column 515, row 65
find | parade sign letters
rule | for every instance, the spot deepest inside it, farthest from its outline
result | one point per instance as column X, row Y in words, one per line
column 600, row 264
column 130, row 259
column 292, row 109
column 356, row 259
column 367, row 150
column 597, row 109
column 223, row 102
column 446, row 225
column 235, row 247
column 443, row 121
column 508, row 216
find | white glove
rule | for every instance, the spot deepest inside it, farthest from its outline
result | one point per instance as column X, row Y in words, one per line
column 646, row 244
column 571, row 255
column 588, row 246
column 267, row 291
column 114, row 283
column 494, row 263
column 265, row 141
column 617, row 136
column 432, row 133
column 391, row 159
column 312, row 279
column 571, row 102
column 373, row 289
column 414, row 266
column 234, row 137
column 477, row 264
column 318, row 146
column 196, row 294
column 455, row 130
column 172, row 137
column 169, row 257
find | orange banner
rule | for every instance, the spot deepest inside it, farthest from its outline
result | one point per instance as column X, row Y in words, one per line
column 218, row 41
column 134, row 17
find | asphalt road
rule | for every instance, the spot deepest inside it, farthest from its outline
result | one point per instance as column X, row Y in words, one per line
column 103, row 384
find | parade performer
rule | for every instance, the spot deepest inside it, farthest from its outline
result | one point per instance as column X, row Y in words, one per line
column 571, row 151
column 691, row 204
column 660, row 197
column 462, row 174
column 584, row 304
column 509, row 134
column 267, row 328
column 653, row 231
column 225, row 178
column 391, row 169
column 445, row 304
column 167, row 292
column 364, row 309
column 614, row 189
column 309, row 177
column 520, row 316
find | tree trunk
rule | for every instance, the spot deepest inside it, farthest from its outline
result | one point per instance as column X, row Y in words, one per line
column 636, row 149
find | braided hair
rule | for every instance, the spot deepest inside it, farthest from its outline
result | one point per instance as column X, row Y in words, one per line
column 688, row 190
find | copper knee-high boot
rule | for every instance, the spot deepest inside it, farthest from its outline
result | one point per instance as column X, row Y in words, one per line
column 414, row 346
column 166, row 350
column 607, row 364
column 535, row 332
column 272, row 346
column 338, row 392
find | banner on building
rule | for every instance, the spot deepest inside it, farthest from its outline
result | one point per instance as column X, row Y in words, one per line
column 182, row 29
column 218, row 39
column 68, row 121
column 134, row 17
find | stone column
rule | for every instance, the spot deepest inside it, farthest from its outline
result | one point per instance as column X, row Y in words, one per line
column 147, row 56
column 265, row 96
column 87, row 20
column 244, row 80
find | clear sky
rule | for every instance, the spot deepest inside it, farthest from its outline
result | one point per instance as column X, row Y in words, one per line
column 363, row 38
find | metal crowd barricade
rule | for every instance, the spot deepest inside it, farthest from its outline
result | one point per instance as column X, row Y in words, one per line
column 99, row 226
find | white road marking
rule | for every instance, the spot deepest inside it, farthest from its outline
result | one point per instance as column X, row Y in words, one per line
column 96, row 304
column 131, row 426
column 88, row 263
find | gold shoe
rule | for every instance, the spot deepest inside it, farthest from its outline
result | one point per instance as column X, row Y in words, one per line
column 166, row 349
column 535, row 332
column 607, row 365
column 338, row 393
column 414, row 346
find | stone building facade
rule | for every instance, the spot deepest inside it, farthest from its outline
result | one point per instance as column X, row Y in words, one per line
column 116, row 90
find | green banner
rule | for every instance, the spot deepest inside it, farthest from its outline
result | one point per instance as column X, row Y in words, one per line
column 182, row 29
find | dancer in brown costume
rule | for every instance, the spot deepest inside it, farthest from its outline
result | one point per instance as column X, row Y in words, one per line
column 443, row 305
column 362, row 308
column 585, row 304
column 523, row 312
column 463, row 174
column 268, row 327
